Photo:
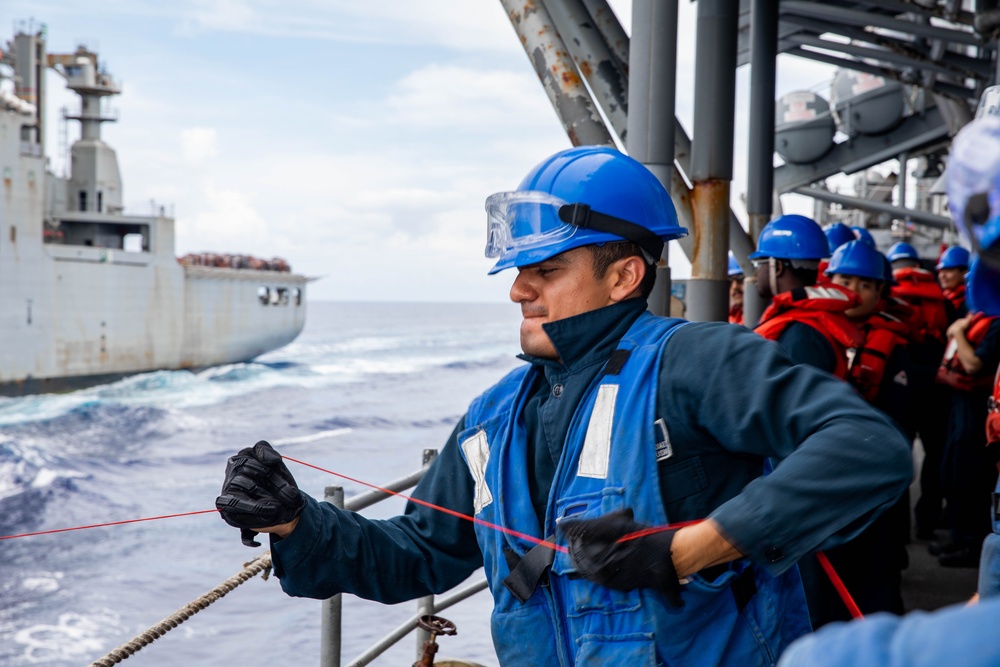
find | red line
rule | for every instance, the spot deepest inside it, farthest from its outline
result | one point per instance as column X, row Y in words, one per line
column 839, row 585
column 502, row 529
column 101, row 525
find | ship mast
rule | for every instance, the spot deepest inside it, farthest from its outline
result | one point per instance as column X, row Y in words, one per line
column 95, row 182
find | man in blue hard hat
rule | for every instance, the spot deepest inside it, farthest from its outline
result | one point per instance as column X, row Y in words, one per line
column 577, row 466
column 807, row 320
column 951, row 270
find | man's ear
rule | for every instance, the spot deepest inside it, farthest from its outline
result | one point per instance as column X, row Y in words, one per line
column 628, row 274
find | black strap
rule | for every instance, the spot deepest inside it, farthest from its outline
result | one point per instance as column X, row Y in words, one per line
column 616, row 361
column 581, row 215
column 528, row 571
column 744, row 588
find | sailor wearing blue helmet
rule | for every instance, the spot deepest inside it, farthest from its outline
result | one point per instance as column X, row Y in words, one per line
column 618, row 421
column 960, row 635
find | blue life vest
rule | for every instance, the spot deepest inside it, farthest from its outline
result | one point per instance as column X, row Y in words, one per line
column 742, row 617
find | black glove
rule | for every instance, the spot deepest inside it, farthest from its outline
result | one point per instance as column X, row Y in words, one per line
column 258, row 492
column 641, row 562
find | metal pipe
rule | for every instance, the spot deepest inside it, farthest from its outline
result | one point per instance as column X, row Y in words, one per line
column 593, row 59
column 331, row 609
column 875, row 54
column 652, row 97
column 903, row 158
column 712, row 157
column 868, row 19
column 557, row 73
column 760, row 155
column 923, row 217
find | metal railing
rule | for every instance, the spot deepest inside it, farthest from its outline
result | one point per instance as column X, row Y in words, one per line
column 332, row 608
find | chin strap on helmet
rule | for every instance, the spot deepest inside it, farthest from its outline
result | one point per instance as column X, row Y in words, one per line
column 581, row 215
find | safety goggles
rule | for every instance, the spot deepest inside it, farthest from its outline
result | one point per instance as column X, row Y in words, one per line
column 522, row 220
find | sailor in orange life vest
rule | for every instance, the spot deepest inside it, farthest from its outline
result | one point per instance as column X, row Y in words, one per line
column 807, row 320
column 735, row 291
column 618, row 420
column 951, row 270
column 871, row 564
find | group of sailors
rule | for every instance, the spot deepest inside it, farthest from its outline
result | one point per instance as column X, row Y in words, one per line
column 901, row 334
column 228, row 261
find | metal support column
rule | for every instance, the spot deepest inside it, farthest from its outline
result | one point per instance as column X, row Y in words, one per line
column 331, row 608
column 760, row 157
column 903, row 159
column 557, row 72
column 712, row 158
column 652, row 95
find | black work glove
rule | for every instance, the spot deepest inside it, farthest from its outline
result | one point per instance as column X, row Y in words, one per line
column 641, row 562
column 258, row 492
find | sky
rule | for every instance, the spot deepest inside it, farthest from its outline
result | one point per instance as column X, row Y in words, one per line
column 356, row 140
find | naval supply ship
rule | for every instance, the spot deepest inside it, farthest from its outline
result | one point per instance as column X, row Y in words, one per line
column 90, row 293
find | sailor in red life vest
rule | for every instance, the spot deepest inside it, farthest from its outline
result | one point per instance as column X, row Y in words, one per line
column 931, row 402
column 951, row 270
column 870, row 564
column 806, row 319
column 735, row 291
column 968, row 367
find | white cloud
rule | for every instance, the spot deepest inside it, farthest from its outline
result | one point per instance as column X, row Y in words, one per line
column 199, row 143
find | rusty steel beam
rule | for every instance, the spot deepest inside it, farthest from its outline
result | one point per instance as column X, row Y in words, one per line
column 557, row 72
column 611, row 30
column 593, row 59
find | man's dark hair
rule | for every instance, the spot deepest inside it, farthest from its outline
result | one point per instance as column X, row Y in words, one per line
column 607, row 254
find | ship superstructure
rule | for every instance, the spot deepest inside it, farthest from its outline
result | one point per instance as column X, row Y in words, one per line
column 91, row 292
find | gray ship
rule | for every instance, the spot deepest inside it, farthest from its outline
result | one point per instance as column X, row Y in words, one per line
column 92, row 293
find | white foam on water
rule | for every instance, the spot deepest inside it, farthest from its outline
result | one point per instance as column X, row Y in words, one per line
column 42, row 584
column 73, row 637
column 313, row 437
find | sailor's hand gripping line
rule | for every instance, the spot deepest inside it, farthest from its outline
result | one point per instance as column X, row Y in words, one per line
column 602, row 563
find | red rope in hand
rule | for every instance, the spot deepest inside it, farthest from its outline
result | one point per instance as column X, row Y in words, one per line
column 101, row 525
column 838, row 584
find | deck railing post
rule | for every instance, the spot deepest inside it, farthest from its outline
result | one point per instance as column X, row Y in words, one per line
column 330, row 619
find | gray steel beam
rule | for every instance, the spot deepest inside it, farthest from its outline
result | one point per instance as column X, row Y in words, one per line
column 557, row 72
column 611, row 30
column 712, row 159
column 938, row 87
column 923, row 217
column 916, row 133
column 652, row 96
column 972, row 67
column 872, row 53
column 835, row 14
column 593, row 59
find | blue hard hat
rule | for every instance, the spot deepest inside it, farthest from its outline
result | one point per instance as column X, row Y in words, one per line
column 792, row 237
column 857, row 258
column 864, row 235
column 887, row 271
column 580, row 196
column 955, row 257
column 734, row 267
column 902, row 250
column 837, row 235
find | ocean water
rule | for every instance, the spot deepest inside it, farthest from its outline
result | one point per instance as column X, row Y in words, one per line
column 363, row 391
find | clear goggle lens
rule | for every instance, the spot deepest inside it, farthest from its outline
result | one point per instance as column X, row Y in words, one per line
column 523, row 219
